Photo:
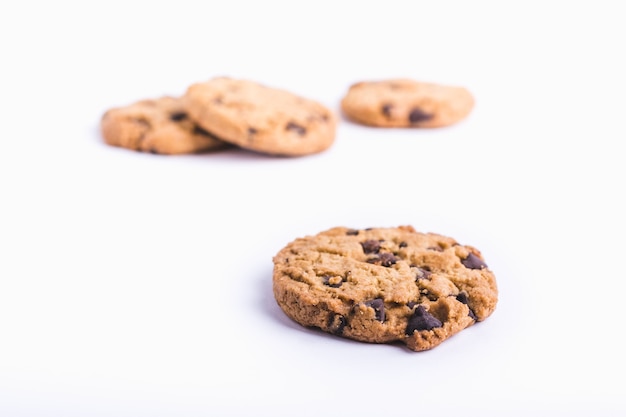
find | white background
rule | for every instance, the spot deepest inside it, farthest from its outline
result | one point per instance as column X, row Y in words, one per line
column 140, row 285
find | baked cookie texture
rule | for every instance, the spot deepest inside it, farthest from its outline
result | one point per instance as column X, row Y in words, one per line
column 160, row 126
column 261, row 118
column 384, row 285
column 406, row 103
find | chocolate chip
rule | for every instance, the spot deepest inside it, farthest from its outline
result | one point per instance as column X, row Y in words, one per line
column 384, row 259
column 332, row 281
column 387, row 259
column 336, row 323
column 154, row 151
column 200, row 131
column 352, row 232
column 177, row 117
column 371, row 246
column 252, row 131
column 379, row 308
column 386, row 110
column 411, row 304
column 422, row 274
column 462, row 297
column 418, row 115
column 473, row 262
column 422, row 320
column 403, row 244
column 300, row 130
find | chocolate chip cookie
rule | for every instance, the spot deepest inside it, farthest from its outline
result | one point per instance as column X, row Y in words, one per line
column 384, row 285
column 261, row 118
column 406, row 103
column 159, row 126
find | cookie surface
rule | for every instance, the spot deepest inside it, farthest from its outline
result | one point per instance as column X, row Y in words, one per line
column 159, row 126
column 260, row 118
column 406, row 103
column 384, row 285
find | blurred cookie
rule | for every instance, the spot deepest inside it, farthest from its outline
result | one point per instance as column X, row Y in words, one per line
column 261, row 118
column 384, row 285
column 406, row 103
column 159, row 126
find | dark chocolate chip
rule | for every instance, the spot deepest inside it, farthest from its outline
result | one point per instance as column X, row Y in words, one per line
column 462, row 297
column 336, row 323
column 300, row 130
column 371, row 246
column 473, row 262
column 379, row 308
column 177, row 117
column 332, row 281
column 352, row 232
column 251, row 132
column 386, row 110
column 403, row 244
column 154, row 151
column 411, row 304
column 422, row 320
column 418, row 115
column 385, row 259
column 422, row 274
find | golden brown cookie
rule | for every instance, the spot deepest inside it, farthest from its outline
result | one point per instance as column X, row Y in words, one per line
column 384, row 285
column 261, row 118
column 159, row 126
column 406, row 103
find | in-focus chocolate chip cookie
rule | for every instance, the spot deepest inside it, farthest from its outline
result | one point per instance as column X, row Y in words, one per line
column 261, row 118
column 159, row 126
column 406, row 103
column 384, row 285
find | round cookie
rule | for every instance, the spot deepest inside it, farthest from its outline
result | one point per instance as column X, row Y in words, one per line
column 260, row 118
column 384, row 285
column 160, row 126
column 406, row 103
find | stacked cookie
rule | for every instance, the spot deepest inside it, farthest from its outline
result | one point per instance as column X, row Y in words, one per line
column 219, row 113
column 224, row 112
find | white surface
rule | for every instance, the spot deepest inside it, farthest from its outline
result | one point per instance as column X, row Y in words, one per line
column 140, row 285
